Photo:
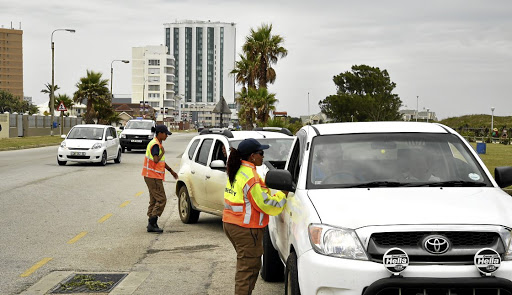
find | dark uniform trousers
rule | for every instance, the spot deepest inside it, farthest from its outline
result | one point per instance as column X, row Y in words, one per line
column 157, row 199
column 248, row 243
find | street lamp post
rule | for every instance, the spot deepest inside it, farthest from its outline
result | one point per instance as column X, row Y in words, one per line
column 417, row 97
column 427, row 113
column 112, row 74
column 52, row 94
column 492, row 119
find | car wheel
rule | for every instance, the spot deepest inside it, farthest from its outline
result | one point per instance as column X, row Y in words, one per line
column 123, row 149
column 61, row 163
column 272, row 269
column 291, row 284
column 118, row 158
column 187, row 213
column 103, row 159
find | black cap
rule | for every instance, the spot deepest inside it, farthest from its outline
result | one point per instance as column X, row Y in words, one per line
column 251, row 145
column 162, row 129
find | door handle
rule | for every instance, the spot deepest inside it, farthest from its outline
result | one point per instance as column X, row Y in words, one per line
column 207, row 176
column 193, row 172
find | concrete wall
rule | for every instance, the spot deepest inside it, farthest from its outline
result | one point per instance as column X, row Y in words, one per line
column 4, row 124
column 20, row 125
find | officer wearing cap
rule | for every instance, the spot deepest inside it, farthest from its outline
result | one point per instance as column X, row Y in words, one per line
column 154, row 175
column 247, row 206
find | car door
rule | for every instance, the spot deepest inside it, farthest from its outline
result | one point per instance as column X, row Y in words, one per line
column 216, row 178
column 198, row 170
column 111, row 143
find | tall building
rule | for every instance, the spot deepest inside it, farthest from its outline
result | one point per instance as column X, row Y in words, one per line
column 153, row 79
column 11, row 61
column 204, row 52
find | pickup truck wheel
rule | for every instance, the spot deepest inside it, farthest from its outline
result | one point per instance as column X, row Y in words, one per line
column 272, row 269
column 188, row 214
column 291, row 284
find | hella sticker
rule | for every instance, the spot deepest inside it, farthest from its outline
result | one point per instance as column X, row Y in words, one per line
column 395, row 260
column 487, row 261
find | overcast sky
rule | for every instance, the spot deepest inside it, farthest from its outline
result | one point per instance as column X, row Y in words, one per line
column 455, row 55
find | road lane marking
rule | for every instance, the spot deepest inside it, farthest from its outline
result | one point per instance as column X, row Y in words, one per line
column 36, row 267
column 77, row 237
column 124, row 204
column 138, row 194
column 104, row 218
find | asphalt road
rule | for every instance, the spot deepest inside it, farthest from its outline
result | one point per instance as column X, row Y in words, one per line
column 88, row 218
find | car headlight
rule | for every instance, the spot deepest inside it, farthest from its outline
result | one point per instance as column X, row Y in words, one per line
column 63, row 144
column 123, row 135
column 97, row 146
column 337, row 242
column 508, row 246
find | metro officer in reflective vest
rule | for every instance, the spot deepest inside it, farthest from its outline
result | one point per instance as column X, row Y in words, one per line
column 154, row 175
column 247, row 206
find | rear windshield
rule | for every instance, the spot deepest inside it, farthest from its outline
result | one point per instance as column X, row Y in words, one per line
column 395, row 159
column 139, row 125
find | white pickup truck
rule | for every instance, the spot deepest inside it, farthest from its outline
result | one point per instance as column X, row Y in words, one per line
column 389, row 208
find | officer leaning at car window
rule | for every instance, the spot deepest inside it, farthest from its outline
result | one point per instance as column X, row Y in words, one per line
column 247, row 206
column 154, row 175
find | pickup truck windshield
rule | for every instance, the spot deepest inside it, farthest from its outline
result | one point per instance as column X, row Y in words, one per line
column 139, row 125
column 392, row 160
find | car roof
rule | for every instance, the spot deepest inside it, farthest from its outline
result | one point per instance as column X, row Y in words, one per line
column 379, row 127
column 238, row 135
column 92, row 126
column 142, row 120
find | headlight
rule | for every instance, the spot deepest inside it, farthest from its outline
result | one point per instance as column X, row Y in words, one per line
column 63, row 144
column 337, row 242
column 507, row 241
column 97, row 146
column 123, row 135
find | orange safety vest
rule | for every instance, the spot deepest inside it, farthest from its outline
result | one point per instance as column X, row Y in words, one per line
column 248, row 202
column 152, row 169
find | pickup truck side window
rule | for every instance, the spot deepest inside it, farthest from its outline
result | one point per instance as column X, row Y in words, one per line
column 297, row 155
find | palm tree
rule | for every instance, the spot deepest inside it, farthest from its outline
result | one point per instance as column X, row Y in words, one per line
column 265, row 49
column 247, row 113
column 48, row 90
column 245, row 72
column 93, row 89
column 264, row 103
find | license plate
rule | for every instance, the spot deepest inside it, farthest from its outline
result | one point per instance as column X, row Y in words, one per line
column 78, row 153
column 136, row 140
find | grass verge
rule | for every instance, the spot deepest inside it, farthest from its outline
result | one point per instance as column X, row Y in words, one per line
column 16, row 143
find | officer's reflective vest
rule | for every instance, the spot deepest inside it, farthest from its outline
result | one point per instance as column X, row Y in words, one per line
column 248, row 202
column 152, row 169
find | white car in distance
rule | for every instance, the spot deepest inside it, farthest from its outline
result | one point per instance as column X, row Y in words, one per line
column 90, row 143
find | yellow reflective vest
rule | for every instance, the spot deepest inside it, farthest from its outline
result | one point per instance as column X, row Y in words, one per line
column 248, row 202
column 152, row 169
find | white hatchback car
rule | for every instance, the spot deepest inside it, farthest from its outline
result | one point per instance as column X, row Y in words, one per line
column 389, row 208
column 90, row 143
column 202, row 174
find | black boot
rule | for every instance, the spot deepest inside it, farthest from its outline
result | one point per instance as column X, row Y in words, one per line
column 152, row 226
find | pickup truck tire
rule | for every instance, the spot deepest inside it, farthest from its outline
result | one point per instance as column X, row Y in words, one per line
column 188, row 214
column 291, row 284
column 272, row 269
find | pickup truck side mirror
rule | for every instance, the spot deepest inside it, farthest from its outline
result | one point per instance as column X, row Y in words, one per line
column 280, row 180
column 503, row 176
column 217, row 164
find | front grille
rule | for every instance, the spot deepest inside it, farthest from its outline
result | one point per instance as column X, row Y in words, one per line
column 129, row 136
column 398, row 239
column 79, row 157
column 443, row 291
column 78, row 149
column 462, row 246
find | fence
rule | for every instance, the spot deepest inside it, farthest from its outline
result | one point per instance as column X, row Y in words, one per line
column 21, row 125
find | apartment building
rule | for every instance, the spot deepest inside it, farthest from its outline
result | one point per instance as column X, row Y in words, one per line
column 11, row 61
column 153, row 79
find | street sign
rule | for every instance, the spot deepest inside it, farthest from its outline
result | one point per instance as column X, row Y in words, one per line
column 62, row 107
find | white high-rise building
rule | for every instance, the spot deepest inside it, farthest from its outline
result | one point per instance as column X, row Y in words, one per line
column 204, row 52
column 153, row 79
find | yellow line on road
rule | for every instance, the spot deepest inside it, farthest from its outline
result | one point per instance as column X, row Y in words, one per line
column 124, row 204
column 104, row 218
column 77, row 237
column 36, row 267
column 138, row 194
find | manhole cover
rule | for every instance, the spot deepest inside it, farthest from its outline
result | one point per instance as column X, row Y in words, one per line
column 89, row 283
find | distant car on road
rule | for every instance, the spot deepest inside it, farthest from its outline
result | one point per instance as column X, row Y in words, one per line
column 137, row 134
column 90, row 143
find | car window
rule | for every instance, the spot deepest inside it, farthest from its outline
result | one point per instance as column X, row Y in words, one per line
column 134, row 124
column 278, row 150
column 113, row 132
column 192, row 148
column 219, row 151
column 412, row 159
column 89, row 133
column 204, row 151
